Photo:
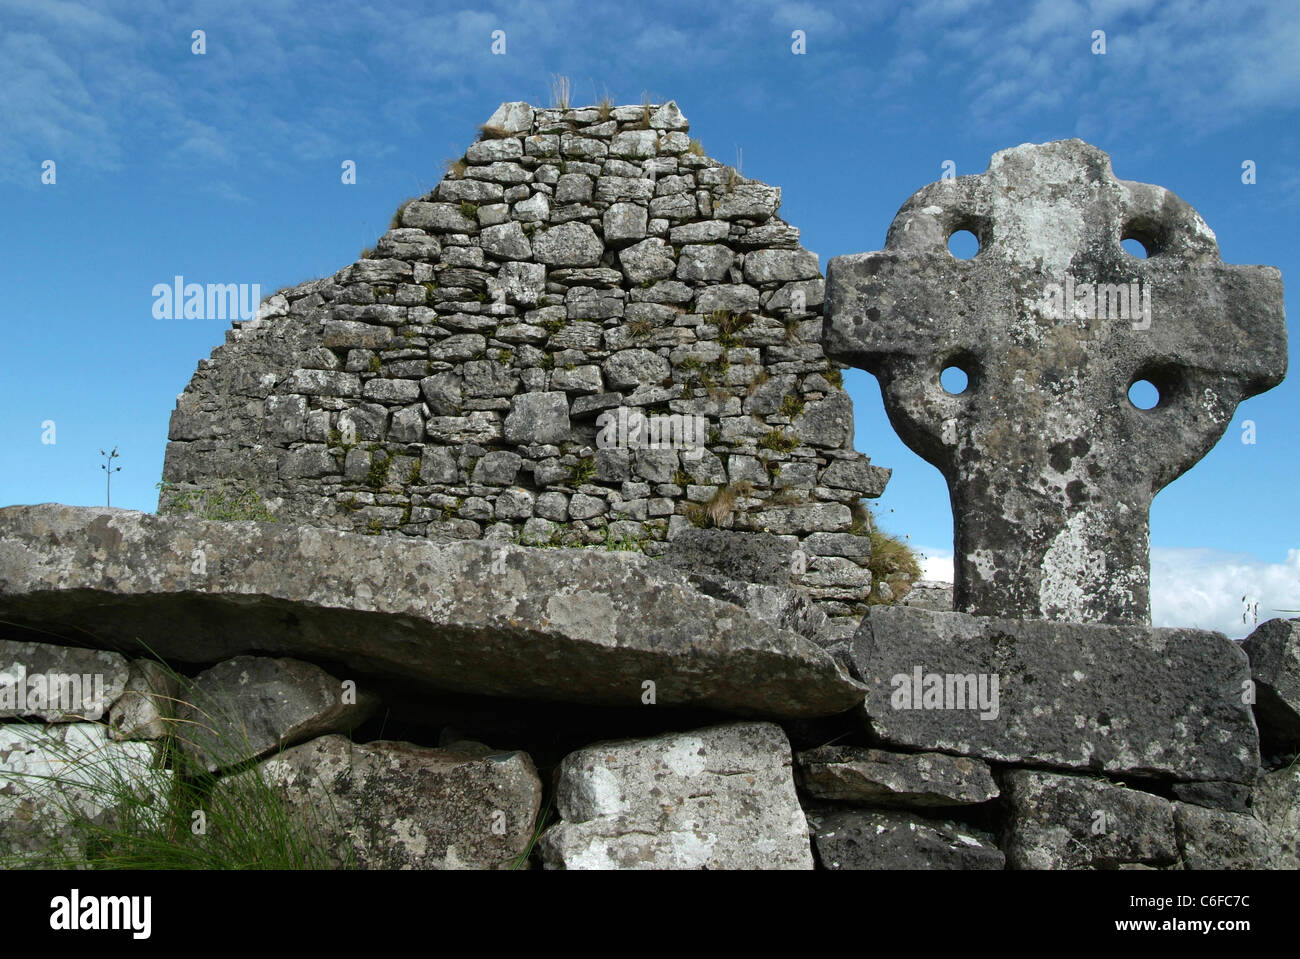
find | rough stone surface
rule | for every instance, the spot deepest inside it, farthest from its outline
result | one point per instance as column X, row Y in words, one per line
column 577, row 625
column 751, row 558
column 58, row 684
column 52, row 775
column 247, row 707
column 716, row 798
column 148, row 703
column 1114, row 699
column 1274, row 651
column 1233, row 797
column 1275, row 801
column 527, row 293
column 1216, row 839
column 394, row 805
column 884, row 839
column 1051, row 468
column 1072, row 822
column 854, row 774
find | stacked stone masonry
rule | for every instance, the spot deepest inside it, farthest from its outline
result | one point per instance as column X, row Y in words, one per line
column 574, row 263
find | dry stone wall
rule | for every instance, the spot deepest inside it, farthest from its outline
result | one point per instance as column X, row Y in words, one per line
column 481, row 372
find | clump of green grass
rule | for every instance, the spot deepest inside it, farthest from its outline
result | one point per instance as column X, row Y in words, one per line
column 835, row 377
column 225, row 501
column 583, row 471
column 892, row 562
column 779, row 441
column 791, row 405
column 377, row 474
column 718, row 509
column 106, row 805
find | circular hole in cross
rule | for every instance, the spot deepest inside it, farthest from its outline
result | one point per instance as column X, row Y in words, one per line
column 954, row 380
column 1134, row 247
column 963, row 244
column 1144, row 394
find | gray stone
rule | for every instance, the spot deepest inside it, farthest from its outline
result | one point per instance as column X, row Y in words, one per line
column 442, row 392
column 1215, row 839
column 514, row 117
column 438, row 465
column 747, row 557
column 54, row 776
column 437, row 218
column 394, row 805
column 147, row 704
column 407, row 426
column 750, row 201
column 629, row 369
column 929, row 594
column 1233, row 797
column 1275, row 801
column 1118, row 699
column 506, row 241
column 855, row 774
column 780, row 266
column 569, row 244
column 573, row 188
column 58, row 684
column 249, row 706
column 734, row 298
column 1274, row 652
column 498, row 468
column 1051, row 468
column 523, row 283
column 515, row 503
column 647, row 261
column 812, row 517
column 1072, row 822
column 880, row 839
column 486, row 151
column 624, row 223
column 538, row 418
column 858, row 475
column 571, row 625
column 715, row 798
column 704, row 263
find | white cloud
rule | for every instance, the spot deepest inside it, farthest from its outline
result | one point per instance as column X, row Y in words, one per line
column 936, row 564
column 1201, row 588
column 1204, row 588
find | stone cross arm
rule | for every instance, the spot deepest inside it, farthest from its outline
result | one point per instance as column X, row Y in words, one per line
column 1050, row 467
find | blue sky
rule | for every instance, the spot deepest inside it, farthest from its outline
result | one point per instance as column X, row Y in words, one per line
column 225, row 167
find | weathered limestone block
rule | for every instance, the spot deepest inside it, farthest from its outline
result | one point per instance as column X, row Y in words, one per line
column 538, row 418
column 1051, row 468
column 1072, row 822
column 716, row 798
column 1118, row 699
column 247, row 707
column 1216, row 839
column 394, row 805
column 148, row 703
column 58, row 684
column 747, row 557
column 1275, row 801
column 882, row 839
column 575, row 625
column 854, row 774
column 51, row 776
column 1274, row 652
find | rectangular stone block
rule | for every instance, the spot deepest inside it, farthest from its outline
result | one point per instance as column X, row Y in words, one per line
column 1109, row 699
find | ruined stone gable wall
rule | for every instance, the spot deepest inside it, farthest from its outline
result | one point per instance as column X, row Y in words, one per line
column 575, row 262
